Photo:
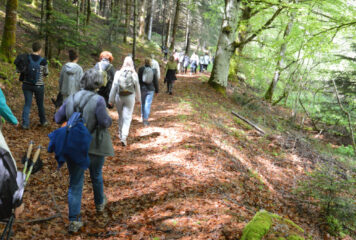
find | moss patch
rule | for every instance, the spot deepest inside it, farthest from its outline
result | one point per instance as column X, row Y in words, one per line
column 270, row 226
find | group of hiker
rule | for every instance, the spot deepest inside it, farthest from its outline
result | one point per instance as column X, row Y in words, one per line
column 84, row 97
column 193, row 62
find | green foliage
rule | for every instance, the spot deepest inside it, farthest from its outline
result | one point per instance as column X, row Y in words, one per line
column 332, row 188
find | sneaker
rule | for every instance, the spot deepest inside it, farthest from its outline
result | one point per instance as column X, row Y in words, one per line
column 100, row 208
column 124, row 143
column 45, row 124
column 145, row 123
column 25, row 127
column 74, row 226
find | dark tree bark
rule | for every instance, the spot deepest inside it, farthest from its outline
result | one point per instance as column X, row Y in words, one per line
column 175, row 24
column 88, row 13
column 134, row 30
column 127, row 19
column 150, row 23
column 48, row 47
column 9, row 34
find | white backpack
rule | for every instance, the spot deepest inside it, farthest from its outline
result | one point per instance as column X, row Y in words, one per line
column 126, row 83
column 147, row 76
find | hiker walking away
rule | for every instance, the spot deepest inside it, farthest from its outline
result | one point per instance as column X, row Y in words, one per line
column 165, row 52
column 108, row 72
column 9, row 199
column 201, row 62
column 206, row 61
column 180, row 62
column 124, row 90
column 70, row 76
column 155, row 65
column 149, row 85
column 194, row 62
column 186, row 63
column 96, row 119
column 171, row 70
column 7, row 115
column 33, row 84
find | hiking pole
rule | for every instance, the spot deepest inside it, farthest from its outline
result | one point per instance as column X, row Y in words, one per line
column 26, row 158
column 35, row 158
column 8, row 228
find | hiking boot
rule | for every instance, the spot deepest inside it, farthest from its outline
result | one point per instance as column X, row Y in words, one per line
column 75, row 226
column 25, row 127
column 170, row 93
column 100, row 208
column 124, row 143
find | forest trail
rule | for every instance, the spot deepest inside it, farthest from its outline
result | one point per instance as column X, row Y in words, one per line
column 183, row 177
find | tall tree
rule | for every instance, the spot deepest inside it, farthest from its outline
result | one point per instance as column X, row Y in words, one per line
column 88, row 12
column 127, row 19
column 49, row 12
column 282, row 52
column 9, row 34
column 187, row 29
column 149, row 35
column 175, row 24
column 142, row 14
column 134, row 30
column 226, row 45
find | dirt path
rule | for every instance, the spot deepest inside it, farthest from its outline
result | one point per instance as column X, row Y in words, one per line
column 179, row 178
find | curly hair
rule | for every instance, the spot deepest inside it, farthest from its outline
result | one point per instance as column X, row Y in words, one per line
column 106, row 55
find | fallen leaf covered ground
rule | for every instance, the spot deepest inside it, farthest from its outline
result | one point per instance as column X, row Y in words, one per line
column 194, row 173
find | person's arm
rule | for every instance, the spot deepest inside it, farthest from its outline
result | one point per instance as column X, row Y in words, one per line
column 45, row 68
column 158, row 71
column 61, row 77
column 60, row 116
column 140, row 72
column 104, row 120
column 137, row 87
column 113, row 90
column 5, row 111
column 155, row 81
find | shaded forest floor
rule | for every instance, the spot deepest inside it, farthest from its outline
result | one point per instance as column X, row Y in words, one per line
column 195, row 173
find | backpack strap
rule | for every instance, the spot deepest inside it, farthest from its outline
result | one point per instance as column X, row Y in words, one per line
column 35, row 62
column 86, row 101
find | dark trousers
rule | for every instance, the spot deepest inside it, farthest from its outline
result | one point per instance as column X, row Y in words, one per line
column 28, row 92
column 169, row 86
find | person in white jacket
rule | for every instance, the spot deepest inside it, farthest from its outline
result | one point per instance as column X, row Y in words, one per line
column 155, row 65
column 125, row 89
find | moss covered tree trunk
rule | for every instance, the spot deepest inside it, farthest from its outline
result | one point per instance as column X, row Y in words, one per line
column 9, row 34
column 150, row 23
column 134, row 30
column 48, row 47
column 226, row 45
column 175, row 24
column 88, row 13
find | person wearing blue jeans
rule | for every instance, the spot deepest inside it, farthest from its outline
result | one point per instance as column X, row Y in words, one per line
column 97, row 120
column 147, row 91
column 34, row 86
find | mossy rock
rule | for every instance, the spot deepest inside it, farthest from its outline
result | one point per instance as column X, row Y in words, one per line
column 269, row 226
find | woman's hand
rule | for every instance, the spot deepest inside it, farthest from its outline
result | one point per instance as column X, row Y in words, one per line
column 19, row 210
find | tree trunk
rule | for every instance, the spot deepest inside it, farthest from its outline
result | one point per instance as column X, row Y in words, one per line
column 48, row 47
column 78, row 15
column 9, row 34
column 187, row 33
column 163, row 14
column 269, row 94
column 226, row 45
column 134, row 31
column 88, row 13
column 175, row 25
column 153, row 5
column 42, row 17
column 127, row 19
column 141, row 32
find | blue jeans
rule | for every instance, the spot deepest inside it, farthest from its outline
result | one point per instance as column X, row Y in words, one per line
column 76, row 175
column 28, row 91
column 146, row 101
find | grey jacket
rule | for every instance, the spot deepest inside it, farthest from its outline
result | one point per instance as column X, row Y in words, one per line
column 69, row 81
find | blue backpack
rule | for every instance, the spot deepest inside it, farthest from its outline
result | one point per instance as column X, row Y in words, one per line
column 33, row 70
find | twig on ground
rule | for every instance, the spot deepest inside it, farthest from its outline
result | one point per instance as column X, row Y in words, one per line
column 249, row 122
column 38, row 220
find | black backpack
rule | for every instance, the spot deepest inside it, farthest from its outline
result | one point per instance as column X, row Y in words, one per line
column 8, row 185
column 33, row 70
column 21, row 63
